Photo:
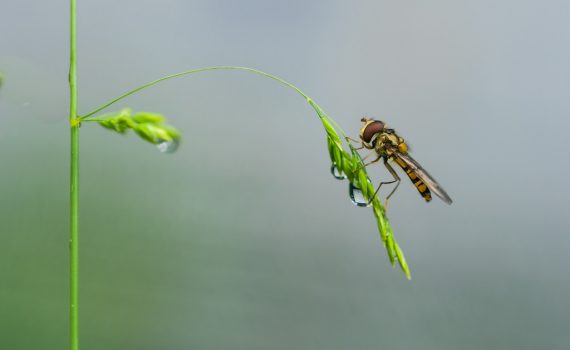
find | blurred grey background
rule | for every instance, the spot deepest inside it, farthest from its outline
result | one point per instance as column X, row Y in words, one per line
column 242, row 239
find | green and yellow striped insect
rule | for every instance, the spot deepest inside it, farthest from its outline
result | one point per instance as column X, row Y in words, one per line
column 389, row 146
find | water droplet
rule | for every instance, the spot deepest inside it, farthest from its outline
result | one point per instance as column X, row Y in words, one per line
column 339, row 175
column 356, row 196
column 169, row 146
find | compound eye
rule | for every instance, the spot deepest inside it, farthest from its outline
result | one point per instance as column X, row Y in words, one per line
column 371, row 129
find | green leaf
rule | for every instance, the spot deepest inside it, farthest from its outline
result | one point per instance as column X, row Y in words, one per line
column 391, row 248
column 149, row 126
column 338, row 157
column 331, row 132
column 145, row 132
column 371, row 188
column 330, row 146
column 348, row 167
column 402, row 262
column 172, row 131
column 147, row 117
column 363, row 179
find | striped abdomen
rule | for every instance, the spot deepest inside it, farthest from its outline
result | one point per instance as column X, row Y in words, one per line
column 420, row 185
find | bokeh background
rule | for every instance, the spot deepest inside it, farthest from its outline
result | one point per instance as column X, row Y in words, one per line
column 242, row 239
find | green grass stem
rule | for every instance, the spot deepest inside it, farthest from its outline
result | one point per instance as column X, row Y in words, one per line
column 74, row 187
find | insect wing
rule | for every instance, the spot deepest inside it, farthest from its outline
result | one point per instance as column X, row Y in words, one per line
column 424, row 176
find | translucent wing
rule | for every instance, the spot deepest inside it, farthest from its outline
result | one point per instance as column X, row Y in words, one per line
column 423, row 175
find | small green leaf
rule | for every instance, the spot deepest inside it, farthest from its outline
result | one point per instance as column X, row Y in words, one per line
column 330, row 146
column 144, row 131
column 329, row 128
column 363, row 179
column 391, row 249
column 380, row 219
column 120, row 123
column 147, row 117
column 149, row 126
column 172, row 131
column 381, row 230
column 402, row 262
column 371, row 188
column 348, row 167
column 338, row 157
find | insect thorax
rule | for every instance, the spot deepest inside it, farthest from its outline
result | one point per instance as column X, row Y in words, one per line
column 385, row 142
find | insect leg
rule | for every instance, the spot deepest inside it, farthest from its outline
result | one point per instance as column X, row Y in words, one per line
column 373, row 161
column 396, row 179
column 360, row 166
column 366, row 156
column 353, row 140
column 358, row 142
column 394, row 175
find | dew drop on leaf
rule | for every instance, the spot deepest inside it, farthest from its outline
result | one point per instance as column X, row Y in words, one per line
column 356, row 196
column 167, row 146
column 335, row 171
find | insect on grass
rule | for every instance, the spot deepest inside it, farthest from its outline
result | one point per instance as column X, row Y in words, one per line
column 386, row 145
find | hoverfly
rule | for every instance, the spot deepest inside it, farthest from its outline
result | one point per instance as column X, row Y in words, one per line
column 389, row 146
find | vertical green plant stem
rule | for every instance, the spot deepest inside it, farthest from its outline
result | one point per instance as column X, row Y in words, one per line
column 74, row 188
